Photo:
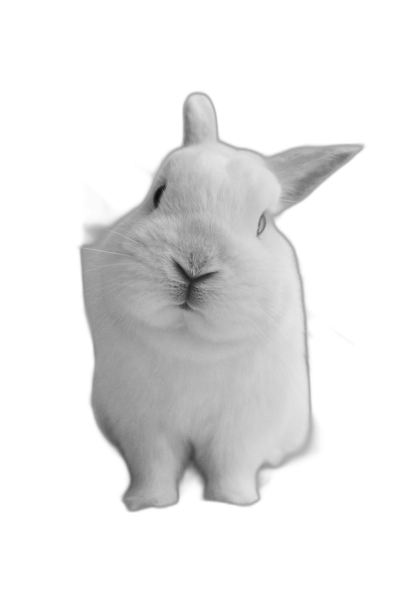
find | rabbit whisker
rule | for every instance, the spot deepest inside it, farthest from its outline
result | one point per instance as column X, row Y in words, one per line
column 108, row 292
column 287, row 370
column 103, row 318
column 124, row 236
column 116, row 264
column 106, row 251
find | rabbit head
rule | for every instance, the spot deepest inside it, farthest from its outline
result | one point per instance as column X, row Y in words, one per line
column 201, row 255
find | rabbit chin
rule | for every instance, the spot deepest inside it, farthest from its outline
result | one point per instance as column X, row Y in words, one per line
column 198, row 332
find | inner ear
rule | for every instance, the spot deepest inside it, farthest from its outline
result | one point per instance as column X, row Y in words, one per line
column 301, row 170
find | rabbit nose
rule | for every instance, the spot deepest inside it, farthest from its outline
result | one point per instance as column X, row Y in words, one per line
column 191, row 277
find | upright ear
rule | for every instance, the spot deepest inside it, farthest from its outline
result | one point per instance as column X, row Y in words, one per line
column 301, row 170
column 199, row 120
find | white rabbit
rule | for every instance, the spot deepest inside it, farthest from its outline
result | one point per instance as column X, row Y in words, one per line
column 195, row 305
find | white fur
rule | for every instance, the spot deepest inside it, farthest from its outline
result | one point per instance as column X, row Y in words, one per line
column 227, row 383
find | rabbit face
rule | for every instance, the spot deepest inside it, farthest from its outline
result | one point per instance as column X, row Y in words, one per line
column 199, row 260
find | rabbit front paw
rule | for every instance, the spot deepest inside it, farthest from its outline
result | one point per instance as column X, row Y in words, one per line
column 137, row 498
column 240, row 492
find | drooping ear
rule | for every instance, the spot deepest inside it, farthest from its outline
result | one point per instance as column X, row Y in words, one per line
column 301, row 170
column 199, row 120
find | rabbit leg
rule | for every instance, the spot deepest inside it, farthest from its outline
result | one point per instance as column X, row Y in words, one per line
column 231, row 479
column 155, row 466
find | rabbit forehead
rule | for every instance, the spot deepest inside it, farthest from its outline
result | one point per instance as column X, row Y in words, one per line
column 220, row 170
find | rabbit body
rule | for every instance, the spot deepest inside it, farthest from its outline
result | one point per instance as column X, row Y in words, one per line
column 198, row 323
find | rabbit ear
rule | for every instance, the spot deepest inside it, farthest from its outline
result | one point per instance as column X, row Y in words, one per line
column 199, row 120
column 301, row 170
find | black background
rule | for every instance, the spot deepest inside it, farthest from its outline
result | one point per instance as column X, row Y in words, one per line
column 116, row 116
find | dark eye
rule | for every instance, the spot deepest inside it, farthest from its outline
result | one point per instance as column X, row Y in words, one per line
column 157, row 195
column 261, row 224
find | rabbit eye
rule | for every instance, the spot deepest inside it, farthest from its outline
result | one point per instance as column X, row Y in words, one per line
column 157, row 195
column 261, row 224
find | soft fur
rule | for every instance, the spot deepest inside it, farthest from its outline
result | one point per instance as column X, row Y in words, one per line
column 226, row 383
